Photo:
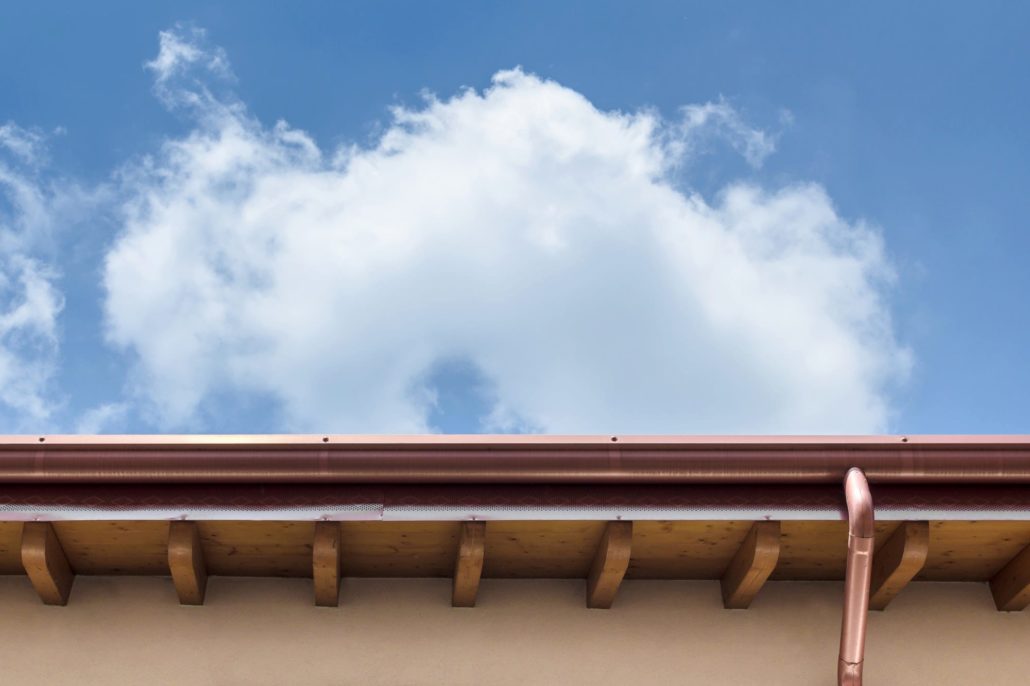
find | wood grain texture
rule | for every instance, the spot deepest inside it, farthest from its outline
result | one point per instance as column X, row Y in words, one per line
column 399, row 549
column 1011, row 585
column 554, row 550
column 325, row 564
column 10, row 548
column 186, row 562
column 958, row 550
column 45, row 563
column 610, row 564
column 468, row 566
column 897, row 562
column 751, row 566
column 684, row 550
column 115, row 547
column 971, row 550
column 258, row 548
column 818, row 550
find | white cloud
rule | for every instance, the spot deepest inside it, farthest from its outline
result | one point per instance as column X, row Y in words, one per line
column 29, row 301
column 182, row 49
column 519, row 228
column 25, row 144
column 183, row 62
column 720, row 118
column 103, row 418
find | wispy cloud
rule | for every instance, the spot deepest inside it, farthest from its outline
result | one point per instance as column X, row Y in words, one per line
column 103, row 418
column 520, row 229
column 720, row 119
column 29, row 301
column 25, row 144
column 185, row 67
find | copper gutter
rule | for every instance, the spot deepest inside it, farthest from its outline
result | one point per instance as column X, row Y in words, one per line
column 513, row 459
column 856, row 578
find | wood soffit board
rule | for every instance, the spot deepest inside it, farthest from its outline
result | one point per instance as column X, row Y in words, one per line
column 809, row 550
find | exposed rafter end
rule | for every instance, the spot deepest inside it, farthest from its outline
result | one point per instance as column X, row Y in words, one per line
column 751, row 566
column 325, row 558
column 45, row 562
column 610, row 564
column 468, row 567
column 186, row 562
column 1011, row 586
column 898, row 561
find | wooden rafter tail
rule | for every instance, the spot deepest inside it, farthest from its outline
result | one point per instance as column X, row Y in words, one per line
column 325, row 554
column 46, row 564
column 468, row 568
column 1011, row 586
column 751, row 566
column 186, row 562
column 898, row 561
column 610, row 564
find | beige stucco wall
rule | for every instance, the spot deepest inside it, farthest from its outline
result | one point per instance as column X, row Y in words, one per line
column 404, row 633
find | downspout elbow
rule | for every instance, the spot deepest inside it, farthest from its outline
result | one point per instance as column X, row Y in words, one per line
column 860, row 504
column 857, row 576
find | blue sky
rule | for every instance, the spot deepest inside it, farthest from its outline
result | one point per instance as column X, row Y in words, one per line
column 830, row 237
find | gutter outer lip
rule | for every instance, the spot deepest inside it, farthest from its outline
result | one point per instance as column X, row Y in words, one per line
column 513, row 459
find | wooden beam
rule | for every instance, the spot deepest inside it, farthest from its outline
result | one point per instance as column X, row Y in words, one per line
column 751, row 566
column 1011, row 586
column 610, row 564
column 325, row 554
column 45, row 563
column 898, row 561
column 186, row 562
column 469, row 565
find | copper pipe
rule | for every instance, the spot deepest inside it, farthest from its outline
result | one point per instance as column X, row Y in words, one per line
column 856, row 578
column 513, row 459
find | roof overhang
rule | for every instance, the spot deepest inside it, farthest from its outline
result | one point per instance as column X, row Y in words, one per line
column 738, row 509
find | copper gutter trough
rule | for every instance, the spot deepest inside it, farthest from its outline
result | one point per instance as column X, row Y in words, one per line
column 856, row 578
column 513, row 459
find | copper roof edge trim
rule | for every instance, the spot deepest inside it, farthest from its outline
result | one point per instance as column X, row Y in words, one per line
column 427, row 440
column 857, row 575
column 513, row 459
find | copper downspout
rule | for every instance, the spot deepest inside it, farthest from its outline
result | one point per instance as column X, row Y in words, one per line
column 856, row 578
